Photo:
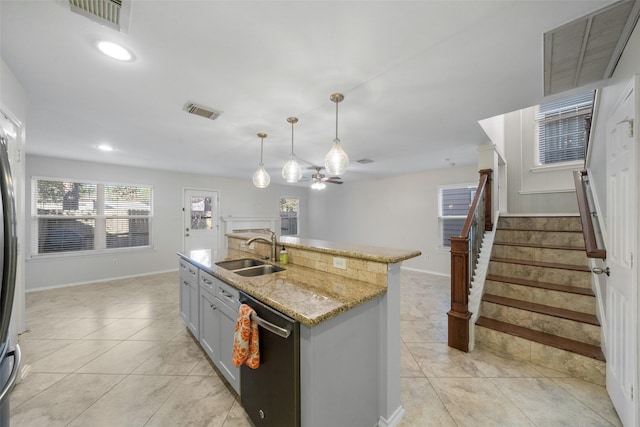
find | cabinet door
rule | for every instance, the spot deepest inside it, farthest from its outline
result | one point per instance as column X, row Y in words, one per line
column 185, row 300
column 228, row 317
column 209, row 324
column 194, row 312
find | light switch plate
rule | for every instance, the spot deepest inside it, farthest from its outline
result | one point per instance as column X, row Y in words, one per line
column 340, row 263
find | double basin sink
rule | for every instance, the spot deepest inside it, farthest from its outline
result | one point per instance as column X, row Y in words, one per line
column 249, row 267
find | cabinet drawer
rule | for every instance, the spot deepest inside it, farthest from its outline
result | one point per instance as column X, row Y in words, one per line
column 207, row 281
column 188, row 271
column 227, row 294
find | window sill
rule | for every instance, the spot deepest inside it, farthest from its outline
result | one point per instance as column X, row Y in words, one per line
column 558, row 167
column 89, row 254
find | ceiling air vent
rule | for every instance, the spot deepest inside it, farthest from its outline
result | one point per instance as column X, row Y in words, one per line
column 199, row 110
column 112, row 13
column 587, row 49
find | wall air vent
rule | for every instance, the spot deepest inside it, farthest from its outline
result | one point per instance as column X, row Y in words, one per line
column 199, row 110
column 587, row 49
column 364, row 161
column 112, row 13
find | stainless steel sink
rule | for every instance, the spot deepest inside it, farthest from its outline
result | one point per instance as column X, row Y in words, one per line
column 258, row 270
column 237, row 264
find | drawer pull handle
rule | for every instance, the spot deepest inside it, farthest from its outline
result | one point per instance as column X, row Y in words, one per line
column 213, row 307
column 225, row 293
column 207, row 281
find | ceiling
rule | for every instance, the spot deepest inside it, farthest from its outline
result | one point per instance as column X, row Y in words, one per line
column 417, row 77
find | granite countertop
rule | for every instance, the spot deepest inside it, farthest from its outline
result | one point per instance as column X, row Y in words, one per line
column 365, row 252
column 304, row 294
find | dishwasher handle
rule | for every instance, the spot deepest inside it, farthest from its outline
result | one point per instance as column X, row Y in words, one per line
column 283, row 332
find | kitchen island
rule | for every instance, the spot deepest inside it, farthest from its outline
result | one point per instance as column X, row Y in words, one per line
column 347, row 301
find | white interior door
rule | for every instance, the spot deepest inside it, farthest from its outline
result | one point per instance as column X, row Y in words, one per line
column 622, row 245
column 200, row 219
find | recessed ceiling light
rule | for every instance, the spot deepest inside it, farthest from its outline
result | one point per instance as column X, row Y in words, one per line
column 105, row 147
column 115, row 51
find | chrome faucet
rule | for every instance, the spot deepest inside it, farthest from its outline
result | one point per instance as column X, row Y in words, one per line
column 274, row 243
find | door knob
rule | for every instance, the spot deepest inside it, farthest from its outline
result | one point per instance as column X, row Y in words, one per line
column 598, row 270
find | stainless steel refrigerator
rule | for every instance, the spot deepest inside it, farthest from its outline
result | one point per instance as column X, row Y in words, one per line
column 9, row 352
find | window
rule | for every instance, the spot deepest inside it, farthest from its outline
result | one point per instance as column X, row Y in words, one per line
column 289, row 208
column 561, row 129
column 454, row 203
column 71, row 216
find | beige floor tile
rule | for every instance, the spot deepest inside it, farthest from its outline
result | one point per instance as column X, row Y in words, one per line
column 72, row 357
column 409, row 367
column 71, row 329
column 496, row 366
column 124, row 358
column 130, row 403
column 160, row 329
column 476, row 402
column 438, row 360
column 34, row 350
column 198, row 401
column 427, row 330
column 422, row 405
column 546, row 403
column 204, row 368
column 175, row 358
column 237, row 417
column 592, row 396
column 31, row 385
column 61, row 403
column 120, row 329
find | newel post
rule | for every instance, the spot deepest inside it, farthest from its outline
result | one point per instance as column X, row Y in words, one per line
column 488, row 209
column 459, row 314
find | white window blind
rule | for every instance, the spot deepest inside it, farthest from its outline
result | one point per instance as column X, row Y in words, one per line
column 71, row 216
column 561, row 128
column 289, row 208
column 454, row 206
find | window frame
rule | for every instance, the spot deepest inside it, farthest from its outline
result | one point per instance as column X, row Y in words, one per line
column 297, row 216
column 100, row 221
column 472, row 187
column 570, row 111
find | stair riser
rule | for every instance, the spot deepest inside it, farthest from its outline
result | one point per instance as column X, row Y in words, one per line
column 576, row 302
column 541, row 223
column 573, row 364
column 577, row 257
column 557, row 276
column 570, row 239
column 565, row 328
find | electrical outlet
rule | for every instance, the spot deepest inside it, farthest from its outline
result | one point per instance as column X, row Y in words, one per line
column 243, row 244
column 340, row 263
column 252, row 246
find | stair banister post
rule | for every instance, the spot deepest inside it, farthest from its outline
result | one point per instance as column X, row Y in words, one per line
column 488, row 214
column 459, row 315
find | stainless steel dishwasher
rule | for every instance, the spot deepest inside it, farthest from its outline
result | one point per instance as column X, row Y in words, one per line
column 270, row 394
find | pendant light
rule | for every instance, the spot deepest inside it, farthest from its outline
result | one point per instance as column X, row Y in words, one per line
column 336, row 160
column 292, row 172
column 261, row 178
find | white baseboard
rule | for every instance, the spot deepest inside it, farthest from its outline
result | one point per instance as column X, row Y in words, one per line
column 393, row 420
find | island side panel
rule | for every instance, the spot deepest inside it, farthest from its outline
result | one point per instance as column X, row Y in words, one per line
column 391, row 410
column 337, row 360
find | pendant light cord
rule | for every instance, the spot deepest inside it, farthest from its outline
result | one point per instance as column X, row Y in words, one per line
column 337, row 121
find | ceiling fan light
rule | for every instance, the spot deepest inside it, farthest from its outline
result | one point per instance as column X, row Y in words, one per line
column 336, row 160
column 261, row 178
column 318, row 185
column 292, row 172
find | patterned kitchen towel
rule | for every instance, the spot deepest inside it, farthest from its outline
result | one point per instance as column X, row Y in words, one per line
column 246, row 345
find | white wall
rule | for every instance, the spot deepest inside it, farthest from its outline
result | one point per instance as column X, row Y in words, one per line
column 400, row 212
column 530, row 189
column 237, row 198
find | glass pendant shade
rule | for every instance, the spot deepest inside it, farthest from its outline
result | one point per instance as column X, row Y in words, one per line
column 292, row 172
column 336, row 160
column 261, row 178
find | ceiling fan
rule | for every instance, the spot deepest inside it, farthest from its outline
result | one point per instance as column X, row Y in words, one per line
column 318, row 179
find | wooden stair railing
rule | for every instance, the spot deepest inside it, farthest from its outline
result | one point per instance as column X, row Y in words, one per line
column 464, row 253
column 581, row 180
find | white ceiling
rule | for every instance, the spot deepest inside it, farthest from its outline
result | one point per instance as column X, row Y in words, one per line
column 417, row 76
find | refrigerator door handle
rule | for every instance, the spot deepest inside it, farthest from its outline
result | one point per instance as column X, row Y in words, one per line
column 17, row 356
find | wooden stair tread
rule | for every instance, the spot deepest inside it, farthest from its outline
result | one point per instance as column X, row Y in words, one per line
column 541, row 285
column 541, row 246
column 562, row 313
column 573, row 346
column 543, row 230
column 572, row 267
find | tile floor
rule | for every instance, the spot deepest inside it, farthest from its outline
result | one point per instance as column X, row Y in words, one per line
column 117, row 354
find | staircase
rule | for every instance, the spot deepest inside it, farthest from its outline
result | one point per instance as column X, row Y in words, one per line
column 538, row 304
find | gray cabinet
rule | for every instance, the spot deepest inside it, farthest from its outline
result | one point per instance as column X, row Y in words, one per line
column 218, row 314
column 189, row 310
